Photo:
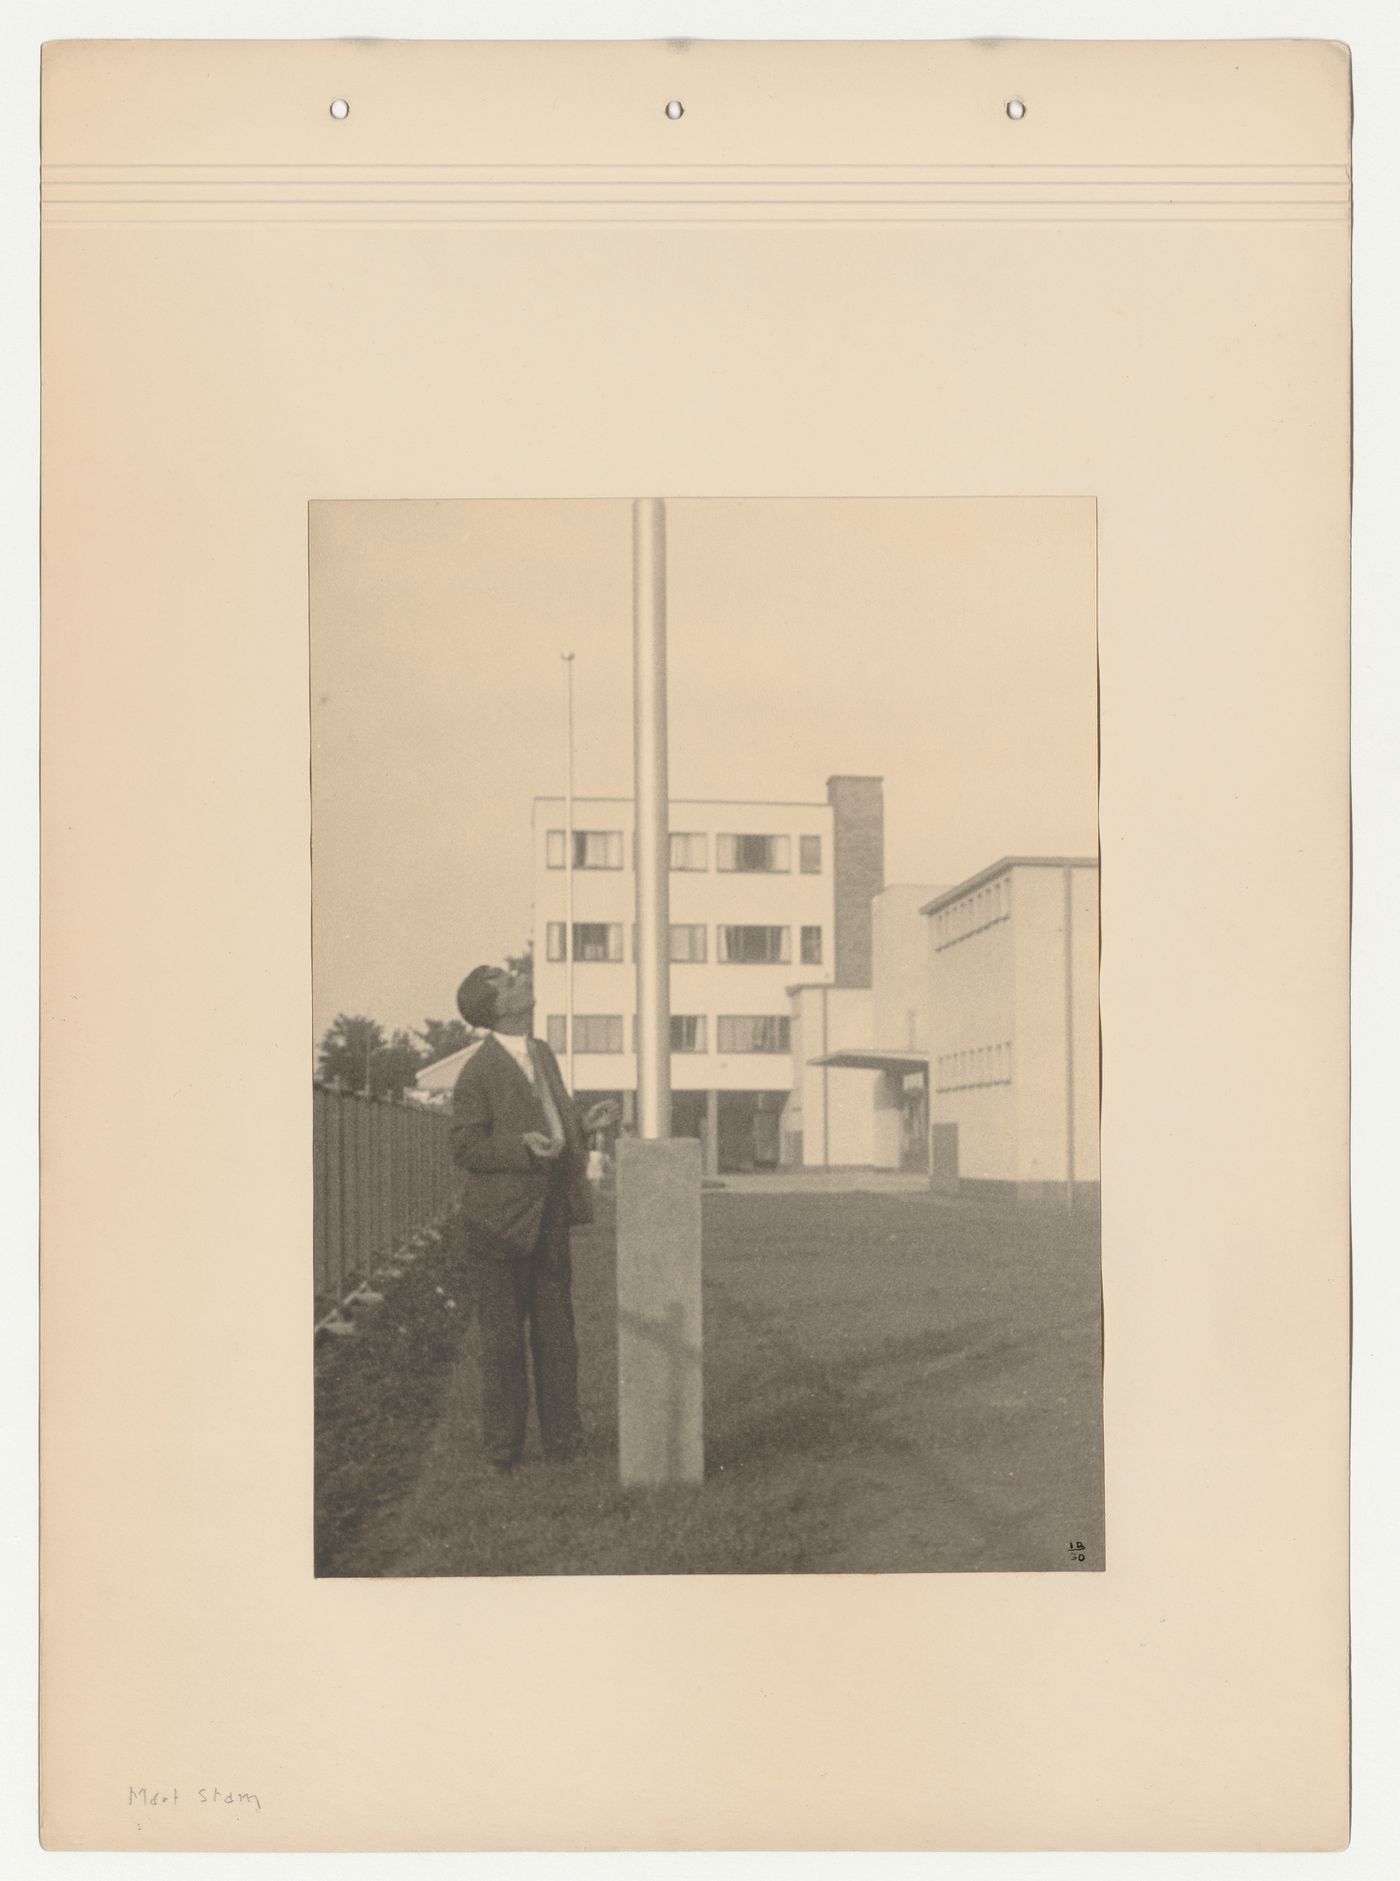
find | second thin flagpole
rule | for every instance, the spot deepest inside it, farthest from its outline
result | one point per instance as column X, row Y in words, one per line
column 568, row 660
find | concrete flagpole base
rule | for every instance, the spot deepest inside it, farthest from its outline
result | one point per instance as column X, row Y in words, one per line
column 660, row 1381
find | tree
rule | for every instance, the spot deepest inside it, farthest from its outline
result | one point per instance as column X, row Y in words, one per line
column 347, row 1051
column 393, row 1066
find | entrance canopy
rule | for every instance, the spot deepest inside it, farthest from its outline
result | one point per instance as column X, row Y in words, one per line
column 872, row 1058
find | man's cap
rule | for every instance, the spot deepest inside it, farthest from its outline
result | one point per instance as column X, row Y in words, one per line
column 476, row 996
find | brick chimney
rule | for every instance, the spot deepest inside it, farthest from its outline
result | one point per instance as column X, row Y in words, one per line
column 858, row 870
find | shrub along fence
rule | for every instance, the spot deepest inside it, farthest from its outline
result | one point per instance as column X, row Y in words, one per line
column 383, row 1173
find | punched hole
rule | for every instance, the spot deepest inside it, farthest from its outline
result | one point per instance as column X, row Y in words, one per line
column 339, row 109
column 675, row 109
column 1015, row 109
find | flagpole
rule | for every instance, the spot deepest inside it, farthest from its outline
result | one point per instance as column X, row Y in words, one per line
column 568, row 660
column 652, row 791
column 660, row 1357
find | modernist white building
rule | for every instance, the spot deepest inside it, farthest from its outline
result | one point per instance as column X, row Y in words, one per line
column 823, row 1020
column 764, row 896
column 975, row 1052
column 1014, row 1028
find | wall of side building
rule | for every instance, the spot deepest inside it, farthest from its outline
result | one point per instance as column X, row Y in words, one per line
column 900, row 965
column 830, row 1117
column 854, row 1114
column 900, row 941
column 1013, row 975
column 972, row 1026
column 1057, row 1014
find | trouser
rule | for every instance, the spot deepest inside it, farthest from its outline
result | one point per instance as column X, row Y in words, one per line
column 532, row 1291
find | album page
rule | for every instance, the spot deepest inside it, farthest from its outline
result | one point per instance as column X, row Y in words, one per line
column 695, row 874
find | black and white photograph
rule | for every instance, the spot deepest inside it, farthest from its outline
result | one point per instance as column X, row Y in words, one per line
column 705, row 960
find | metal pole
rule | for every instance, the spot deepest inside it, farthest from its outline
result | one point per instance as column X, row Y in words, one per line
column 568, row 660
column 651, row 788
column 660, row 1374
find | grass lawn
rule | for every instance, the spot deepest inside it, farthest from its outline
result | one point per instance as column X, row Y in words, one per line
column 893, row 1383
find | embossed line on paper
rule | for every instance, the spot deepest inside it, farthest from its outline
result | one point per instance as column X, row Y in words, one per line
column 676, row 193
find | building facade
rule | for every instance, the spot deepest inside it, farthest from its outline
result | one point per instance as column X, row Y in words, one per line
column 860, row 1056
column 978, row 1060
column 764, row 897
column 830, row 1118
column 819, row 1019
column 1014, row 1029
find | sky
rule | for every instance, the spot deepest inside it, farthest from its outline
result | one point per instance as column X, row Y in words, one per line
column 945, row 644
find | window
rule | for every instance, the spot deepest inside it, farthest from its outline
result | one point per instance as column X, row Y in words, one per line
column 597, row 940
column 754, row 944
column 690, row 851
column 688, row 946
column 593, row 849
column 974, row 1069
column 811, row 854
column 753, row 1033
column 687, row 1032
column 593, row 940
column 753, row 855
column 688, row 942
column 974, row 913
column 556, row 1033
column 597, row 1032
column 811, row 946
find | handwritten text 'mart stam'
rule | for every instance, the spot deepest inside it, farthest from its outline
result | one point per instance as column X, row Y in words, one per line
column 207, row 1794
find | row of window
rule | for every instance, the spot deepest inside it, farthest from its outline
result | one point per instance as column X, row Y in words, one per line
column 967, row 1070
column 734, row 1032
column 735, row 854
column 602, row 940
column 974, row 912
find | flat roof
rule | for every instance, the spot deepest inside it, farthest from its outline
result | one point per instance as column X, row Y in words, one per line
column 1001, row 868
column 872, row 1058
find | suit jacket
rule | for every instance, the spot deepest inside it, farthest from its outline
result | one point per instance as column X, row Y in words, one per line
column 505, row 1187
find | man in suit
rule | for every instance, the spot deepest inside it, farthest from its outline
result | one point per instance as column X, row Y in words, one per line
column 523, row 1151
